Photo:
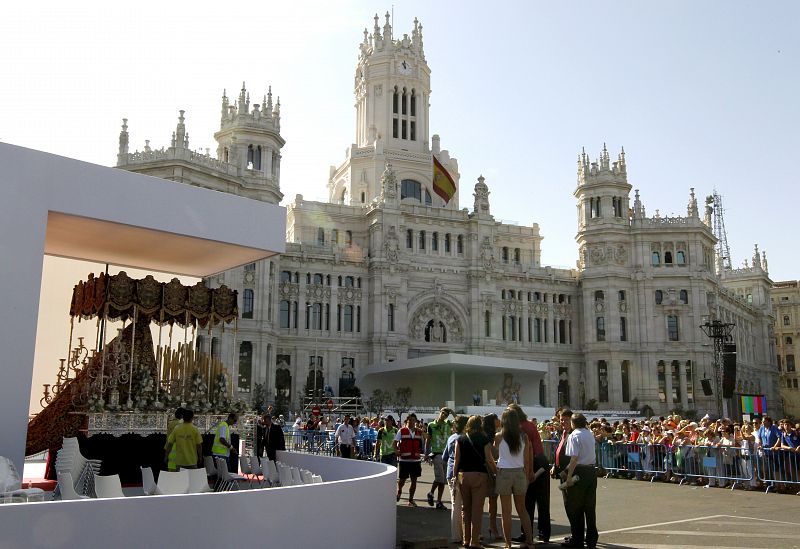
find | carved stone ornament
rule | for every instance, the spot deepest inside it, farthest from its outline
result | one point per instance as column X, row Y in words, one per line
column 604, row 255
column 623, row 306
column 249, row 277
column 487, row 254
column 318, row 291
column 437, row 312
column 287, row 289
column 349, row 295
column 391, row 246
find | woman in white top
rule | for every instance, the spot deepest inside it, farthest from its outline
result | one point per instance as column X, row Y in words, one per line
column 514, row 472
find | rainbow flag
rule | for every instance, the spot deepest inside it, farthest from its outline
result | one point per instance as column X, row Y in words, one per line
column 443, row 183
column 754, row 404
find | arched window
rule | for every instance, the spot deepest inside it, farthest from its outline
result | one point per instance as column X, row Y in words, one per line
column 395, row 102
column 250, row 267
column 247, row 303
column 562, row 331
column 410, row 189
column 672, row 328
column 502, row 294
column 409, row 239
column 413, row 102
column 487, row 324
column 621, row 295
column 308, row 278
column 786, row 320
column 625, row 373
column 680, row 257
column 363, row 197
column 316, row 316
column 505, row 254
column 349, row 281
column 447, row 243
column 343, row 196
column 684, row 297
column 422, row 240
column 403, row 107
column 599, row 295
column 348, row 238
column 318, row 279
column 257, row 159
column 602, row 381
column 348, row 318
column 656, row 259
column 788, row 340
column 320, row 236
column 358, row 282
column 668, row 258
column 659, row 297
column 435, row 242
column 460, row 244
column 284, row 314
column 245, row 366
column 250, row 157
column 434, row 332
column 286, row 276
column 601, row 328
column 516, row 256
column 391, row 317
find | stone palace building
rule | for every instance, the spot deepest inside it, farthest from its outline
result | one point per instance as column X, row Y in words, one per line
column 390, row 270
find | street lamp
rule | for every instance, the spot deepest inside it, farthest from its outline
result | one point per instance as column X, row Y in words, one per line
column 719, row 332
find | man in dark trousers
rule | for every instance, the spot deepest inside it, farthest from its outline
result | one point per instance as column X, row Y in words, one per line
column 581, row 500
column 272, row 438
column 561, row 460
column 538, row 492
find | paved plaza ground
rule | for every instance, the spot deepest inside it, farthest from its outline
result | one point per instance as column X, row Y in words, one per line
column 643, row 515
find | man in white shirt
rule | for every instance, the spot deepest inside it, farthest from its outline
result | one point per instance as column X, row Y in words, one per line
column 581, row 497
column 345, row 435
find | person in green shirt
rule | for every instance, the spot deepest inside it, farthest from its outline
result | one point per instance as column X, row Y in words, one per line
column 188, row 443
column 438, row 431
column 384, row 447
column 171, row 466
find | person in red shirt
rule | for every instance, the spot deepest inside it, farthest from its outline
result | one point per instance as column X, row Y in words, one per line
column 539, row 489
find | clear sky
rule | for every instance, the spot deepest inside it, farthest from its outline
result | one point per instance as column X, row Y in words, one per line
column 700, row 94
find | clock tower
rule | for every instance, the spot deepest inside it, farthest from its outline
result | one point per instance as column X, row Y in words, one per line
column 392, row 90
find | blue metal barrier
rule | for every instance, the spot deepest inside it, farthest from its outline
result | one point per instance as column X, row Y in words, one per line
column 719, row 464
column 778, row 467
column 633, row 458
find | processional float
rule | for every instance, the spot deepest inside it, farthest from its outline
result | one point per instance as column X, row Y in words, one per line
column 129, row 374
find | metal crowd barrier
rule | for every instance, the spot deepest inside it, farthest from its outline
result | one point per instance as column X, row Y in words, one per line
column 323, row 442
column 719, row 464
column 778, row 466
column 633, row 458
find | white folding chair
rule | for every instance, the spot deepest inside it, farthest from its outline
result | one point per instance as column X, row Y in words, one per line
column 285, row 474
column 198, row 481
column 148, row 482
column 173, row 482
column 272, row 473
column 316, row 479
column 246, row 467
column 306, row 476
column 67, row 487
column 108, row 486
column 227, row 480
column 258, row 472
column 296, row 478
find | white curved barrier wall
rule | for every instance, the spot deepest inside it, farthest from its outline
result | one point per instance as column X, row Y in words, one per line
column 353, row 508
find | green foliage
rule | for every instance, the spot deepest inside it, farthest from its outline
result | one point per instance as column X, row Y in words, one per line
column 591, row 404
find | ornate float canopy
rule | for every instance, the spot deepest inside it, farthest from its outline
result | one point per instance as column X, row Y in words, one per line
column 116, row 296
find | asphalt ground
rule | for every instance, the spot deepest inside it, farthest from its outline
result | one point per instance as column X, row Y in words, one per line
column 639, row 514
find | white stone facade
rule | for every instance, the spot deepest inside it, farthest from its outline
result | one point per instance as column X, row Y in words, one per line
column 386, row 270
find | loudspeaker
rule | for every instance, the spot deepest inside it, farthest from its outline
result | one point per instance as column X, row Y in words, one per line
column 706, row 383
column 728, row 369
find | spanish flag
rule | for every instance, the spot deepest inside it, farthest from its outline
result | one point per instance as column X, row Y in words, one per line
column 443, row 184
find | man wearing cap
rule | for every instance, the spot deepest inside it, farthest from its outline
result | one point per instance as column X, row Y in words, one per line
column 438, row 431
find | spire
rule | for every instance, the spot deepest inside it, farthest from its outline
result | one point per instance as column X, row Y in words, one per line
column 756, row 258
column 764, row 264
column 692, row 209
column 244, row 100
column 376, row 32
column 224, row 103
column 387, row 29
column 269, row 100
column 638, row 211
column 180, row 132
column 123, row 137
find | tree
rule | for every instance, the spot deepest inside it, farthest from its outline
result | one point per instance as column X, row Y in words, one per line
column 377, row 402
column 401, row 401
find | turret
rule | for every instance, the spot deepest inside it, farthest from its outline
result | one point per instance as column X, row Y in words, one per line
column 123, row 142
column 603, row 190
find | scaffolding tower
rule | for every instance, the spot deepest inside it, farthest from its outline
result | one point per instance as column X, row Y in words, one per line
column 723, row 250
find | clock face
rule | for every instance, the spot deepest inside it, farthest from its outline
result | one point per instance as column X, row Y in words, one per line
column 404, row 67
